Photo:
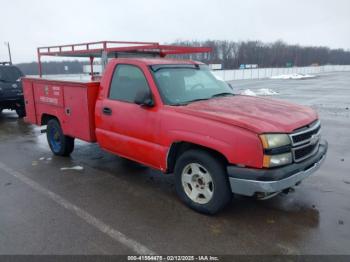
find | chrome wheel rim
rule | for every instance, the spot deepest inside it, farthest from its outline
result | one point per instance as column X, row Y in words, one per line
column 197, row 183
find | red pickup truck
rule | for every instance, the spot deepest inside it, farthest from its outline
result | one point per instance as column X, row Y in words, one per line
column 176, row 116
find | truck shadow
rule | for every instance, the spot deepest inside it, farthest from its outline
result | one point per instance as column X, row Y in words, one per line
column 280, row 209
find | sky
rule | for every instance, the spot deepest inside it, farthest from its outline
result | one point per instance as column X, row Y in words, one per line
column 27, row 24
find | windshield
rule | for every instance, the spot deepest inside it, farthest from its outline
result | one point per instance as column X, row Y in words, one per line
column 10, row 73
column 183, row 84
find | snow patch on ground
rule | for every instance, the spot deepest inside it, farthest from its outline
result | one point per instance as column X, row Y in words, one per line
column 293, row 76
column 77, row 168
column 248, row 92
column 259, row 92
column 43, row 158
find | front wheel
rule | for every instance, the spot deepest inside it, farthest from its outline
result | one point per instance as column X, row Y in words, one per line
column 60, row 144
column 201, row 182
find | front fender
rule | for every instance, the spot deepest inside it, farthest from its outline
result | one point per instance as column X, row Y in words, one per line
column 239, row 147
column 201, row 140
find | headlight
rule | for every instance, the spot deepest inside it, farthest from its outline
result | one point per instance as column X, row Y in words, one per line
column 274, row 140
column 277, row 160
column 276, row 152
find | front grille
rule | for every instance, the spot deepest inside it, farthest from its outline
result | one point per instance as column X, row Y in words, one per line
column 305, row 136
column 305, row 141
column 304, row 152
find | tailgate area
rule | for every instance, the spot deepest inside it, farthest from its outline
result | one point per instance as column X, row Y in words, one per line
column 72, row 103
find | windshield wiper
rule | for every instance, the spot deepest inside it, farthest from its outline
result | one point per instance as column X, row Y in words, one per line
column 195, row 100
column 188, row 102
column 202, row 99
column 179, row 104
column 222, row 94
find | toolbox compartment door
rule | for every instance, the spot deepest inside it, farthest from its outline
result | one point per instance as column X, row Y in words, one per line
column 29, row 101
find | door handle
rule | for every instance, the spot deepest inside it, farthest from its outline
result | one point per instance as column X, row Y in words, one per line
column 107, row 111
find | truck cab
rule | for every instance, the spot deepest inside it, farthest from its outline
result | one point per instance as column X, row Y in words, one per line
column 11, row 92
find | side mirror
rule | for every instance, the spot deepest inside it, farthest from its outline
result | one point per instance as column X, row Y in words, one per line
column 144, row 98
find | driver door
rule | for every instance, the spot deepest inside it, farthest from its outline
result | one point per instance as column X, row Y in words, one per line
column 128, row 129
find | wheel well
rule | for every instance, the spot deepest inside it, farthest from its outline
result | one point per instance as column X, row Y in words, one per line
column 176, row 149
column 45, row 118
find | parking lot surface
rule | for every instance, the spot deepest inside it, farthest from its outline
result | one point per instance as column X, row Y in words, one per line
column 108, row 205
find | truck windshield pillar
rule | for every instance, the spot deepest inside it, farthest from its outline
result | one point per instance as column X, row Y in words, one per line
column 92, row 67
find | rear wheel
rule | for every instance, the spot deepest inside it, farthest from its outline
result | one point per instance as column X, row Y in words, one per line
column 60, row 144
column 201, row 182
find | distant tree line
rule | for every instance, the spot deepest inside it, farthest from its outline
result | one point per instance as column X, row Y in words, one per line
column 278, row 54
column 230, row 54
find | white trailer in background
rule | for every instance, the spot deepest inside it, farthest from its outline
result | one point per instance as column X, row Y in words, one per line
column 215, row 66
column 97, row 69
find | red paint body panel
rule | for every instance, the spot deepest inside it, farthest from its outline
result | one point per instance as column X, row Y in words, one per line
column 132, row 131
column 260, row 115
column 238, row 145
column 71, row 102
column 229, row 125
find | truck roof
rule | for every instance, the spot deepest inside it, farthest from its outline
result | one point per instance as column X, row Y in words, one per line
column 87, row 79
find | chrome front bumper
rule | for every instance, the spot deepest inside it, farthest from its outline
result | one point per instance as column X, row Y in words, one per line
column 250, row 187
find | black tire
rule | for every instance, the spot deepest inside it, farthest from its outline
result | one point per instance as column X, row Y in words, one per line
column 221, row 190
column 60, row 144
column 21, row 112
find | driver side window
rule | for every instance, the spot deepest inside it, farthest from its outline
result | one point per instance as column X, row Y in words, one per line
column 126, row 82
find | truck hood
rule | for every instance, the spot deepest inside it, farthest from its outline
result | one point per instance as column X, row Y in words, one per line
column 260, row 115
